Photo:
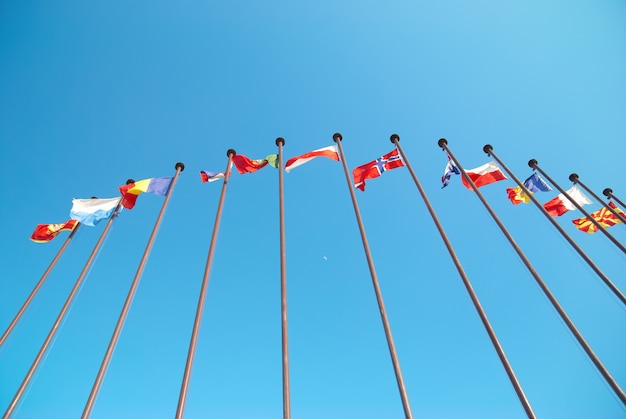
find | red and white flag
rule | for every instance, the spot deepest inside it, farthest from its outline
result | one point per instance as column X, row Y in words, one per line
column 331, row 152
column 560, row 205
column 484, row 175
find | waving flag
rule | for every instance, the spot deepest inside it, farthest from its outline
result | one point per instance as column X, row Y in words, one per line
column 534, row 184
column 331, row 152
column 450, row 170
column 604, row 217
column 90, row 211
column 375, row 168
column 560, row 205
column 211, row 176
column 45, row 232
column 484, row 175
column 158, row 186
column 246, row 165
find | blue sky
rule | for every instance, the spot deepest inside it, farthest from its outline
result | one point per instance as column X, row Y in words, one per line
column 94, row 94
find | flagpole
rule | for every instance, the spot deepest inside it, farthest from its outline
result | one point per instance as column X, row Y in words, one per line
column 205, row 284
column 379, row 297
column 535, row 166
column 488, row 149
column 280, row 142
column 608, row 192
column 129, row 298
column 443, row 143
column 61, row 315
column 576, row 180
column 17, row 317
column 395, row 139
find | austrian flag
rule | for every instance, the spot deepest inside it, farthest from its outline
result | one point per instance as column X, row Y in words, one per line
column 375, row 168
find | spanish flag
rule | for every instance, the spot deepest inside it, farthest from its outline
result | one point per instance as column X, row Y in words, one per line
column 45, row 232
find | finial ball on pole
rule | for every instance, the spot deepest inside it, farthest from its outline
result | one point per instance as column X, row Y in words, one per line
column 532, row 163
column 180, row 166
column 442, row 142
column 231, row 152
column 573, row 177
column 337, row 137
column 280, row 141
column 607, row 192
column 487, row 148
column 395, row 138
column 129, row 181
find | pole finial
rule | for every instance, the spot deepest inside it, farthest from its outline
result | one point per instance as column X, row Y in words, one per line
column 280, row 141
column 180, row 166
column 487, row 148
column 337, row 137
column 395, row 138
column 94, row 197
column 231, row 152
column 607, row 192
column 129, row 181
column 532, row 163
column 442, row 142
column 573, row 177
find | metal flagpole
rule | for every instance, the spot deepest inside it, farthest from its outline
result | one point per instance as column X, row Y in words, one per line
column 379, row 297
column 129, row 298
column 205, row 284
column 60, row 317
column 574, row 178
column 488, row 149
column 280, row 142
column 395, row 139
column 608, row 192
column 579, row 337
column 534, row 165
column 19, row 314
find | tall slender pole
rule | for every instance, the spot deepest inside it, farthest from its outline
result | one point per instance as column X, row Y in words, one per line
column 608, row 192
column 579, row 337
column 182, row 398
column 488, row 149
column 129, row 298
column 379, row 297
column 280, row 142
column 60, row 317
column 19, row 314
column 395, row 139
column 534, row 165
column 574, row 178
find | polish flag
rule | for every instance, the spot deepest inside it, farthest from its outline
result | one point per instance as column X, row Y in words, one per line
column 331, row 152
column 560, row 205
column 484, row 175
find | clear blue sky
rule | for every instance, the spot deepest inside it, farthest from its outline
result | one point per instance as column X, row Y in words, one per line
column 92, row 94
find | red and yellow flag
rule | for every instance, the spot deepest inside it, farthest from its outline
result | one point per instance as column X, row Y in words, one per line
column 45, row 232
column 604, row 217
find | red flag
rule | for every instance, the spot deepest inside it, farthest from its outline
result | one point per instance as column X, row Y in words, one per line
column 45, row 232
column 484, row 175
column 603, row 216
column 374, row 168
column 246, row 165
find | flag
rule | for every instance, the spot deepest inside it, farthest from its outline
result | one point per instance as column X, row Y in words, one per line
column 604, row 217
column 45, row 232
column 451, row 169
column 90, row 211
column 157, row 185
column 246, row 165
column 211, row 176
column 331, row 152
column 534, row 184
column 375, row 168
column 484, row 175
column 560, row 205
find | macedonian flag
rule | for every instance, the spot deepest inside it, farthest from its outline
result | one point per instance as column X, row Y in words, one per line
column 604, row 217
column 45, row 232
